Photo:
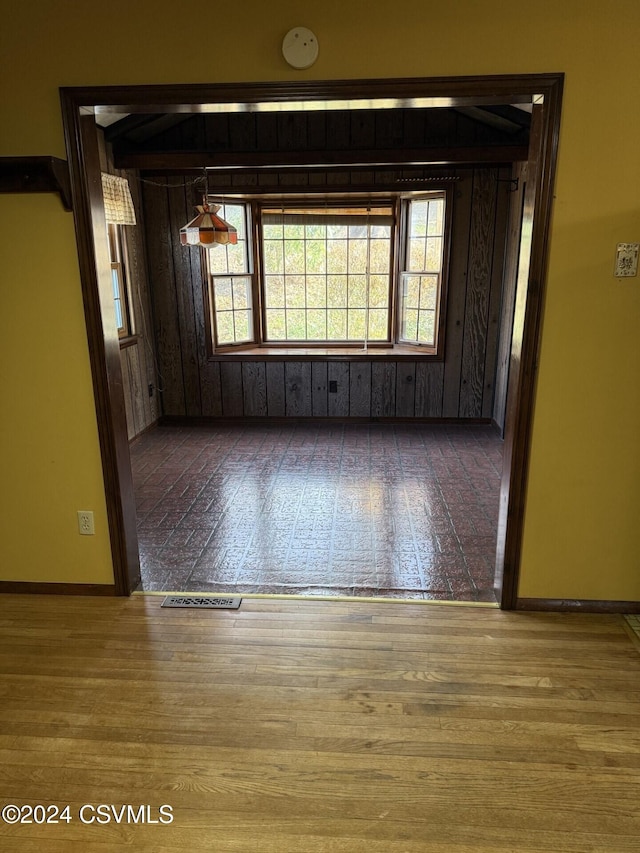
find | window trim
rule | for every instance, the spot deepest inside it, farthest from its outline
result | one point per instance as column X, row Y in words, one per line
column 338, row 202
column 391, row 350
column 441, row 308
column 208, row 283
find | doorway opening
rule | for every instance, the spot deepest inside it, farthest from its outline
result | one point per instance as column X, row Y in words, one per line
column 541, row 93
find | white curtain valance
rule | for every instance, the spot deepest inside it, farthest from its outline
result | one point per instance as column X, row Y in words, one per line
column 118, row 205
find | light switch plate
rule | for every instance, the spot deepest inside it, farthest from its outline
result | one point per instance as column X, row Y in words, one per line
column 626, row 260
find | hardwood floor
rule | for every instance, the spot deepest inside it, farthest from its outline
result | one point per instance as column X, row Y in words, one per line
column 298, row 726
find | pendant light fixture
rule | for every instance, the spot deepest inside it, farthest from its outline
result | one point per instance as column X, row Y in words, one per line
column 207, row 228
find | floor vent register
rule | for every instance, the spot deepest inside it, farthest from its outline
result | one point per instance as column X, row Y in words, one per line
column 202, row 602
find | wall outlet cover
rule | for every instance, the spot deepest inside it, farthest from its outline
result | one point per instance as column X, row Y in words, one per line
column 85, row 522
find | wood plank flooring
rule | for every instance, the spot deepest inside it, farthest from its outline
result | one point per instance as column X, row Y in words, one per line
column 300, row 726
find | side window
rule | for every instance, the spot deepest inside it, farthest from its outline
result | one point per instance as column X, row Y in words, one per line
column 230, row 281
column 119, row 282
column 421, row 272
column 119, row 211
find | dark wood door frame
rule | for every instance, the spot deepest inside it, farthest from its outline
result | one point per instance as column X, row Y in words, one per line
column 544, row 91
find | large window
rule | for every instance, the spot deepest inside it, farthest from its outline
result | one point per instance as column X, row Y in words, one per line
column 326, row 274
column 342, row 274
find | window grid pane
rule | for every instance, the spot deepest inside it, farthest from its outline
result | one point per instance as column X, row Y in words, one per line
column 421, row 278
column 117, row 300
column 233, row 308
column 419, row 307
column 230, row 270
column 118, row 279
column 336, row 278
column 231, row 258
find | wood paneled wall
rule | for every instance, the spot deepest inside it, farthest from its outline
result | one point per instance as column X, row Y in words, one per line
column 462, row 386
column 137, row 357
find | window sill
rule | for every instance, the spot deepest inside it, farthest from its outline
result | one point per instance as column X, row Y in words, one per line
column 128, row 341
column 397, row 353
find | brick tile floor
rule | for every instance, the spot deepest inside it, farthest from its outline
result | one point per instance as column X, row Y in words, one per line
column 400, row 511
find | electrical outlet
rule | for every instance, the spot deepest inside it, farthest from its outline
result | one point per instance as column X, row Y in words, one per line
column 85, row 522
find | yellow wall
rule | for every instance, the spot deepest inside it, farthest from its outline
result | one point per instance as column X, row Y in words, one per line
column 48, row 433
column 581, row 532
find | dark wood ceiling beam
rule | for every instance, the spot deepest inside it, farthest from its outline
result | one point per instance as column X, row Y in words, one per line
column 177, row 161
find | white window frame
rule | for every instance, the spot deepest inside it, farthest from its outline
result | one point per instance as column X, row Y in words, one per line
column 435, row 252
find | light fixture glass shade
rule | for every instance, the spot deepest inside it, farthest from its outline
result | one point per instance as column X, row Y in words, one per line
column 206, row 228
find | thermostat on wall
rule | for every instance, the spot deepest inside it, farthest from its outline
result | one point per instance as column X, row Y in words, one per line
column 300, row 47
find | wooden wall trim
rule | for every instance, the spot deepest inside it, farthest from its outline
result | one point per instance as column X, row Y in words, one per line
column 42, row 588
column 526, row 339
column 469, row 90
column 577, row 605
